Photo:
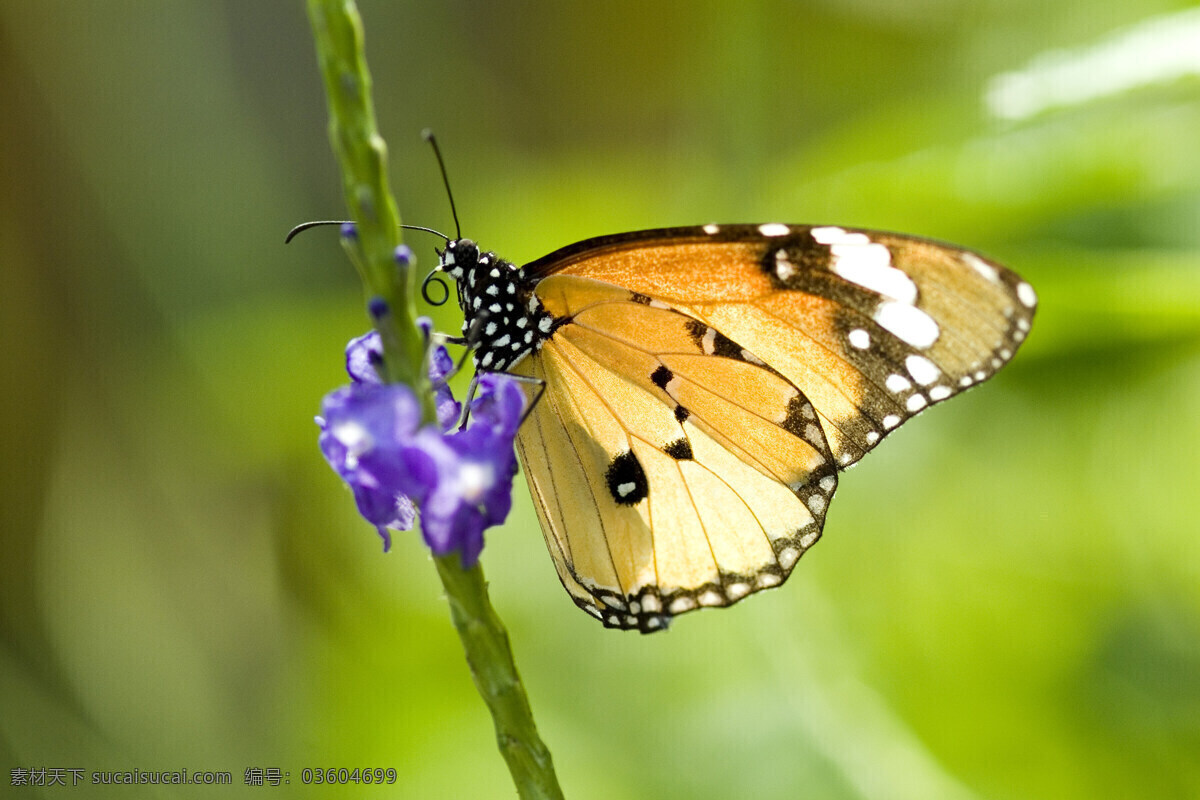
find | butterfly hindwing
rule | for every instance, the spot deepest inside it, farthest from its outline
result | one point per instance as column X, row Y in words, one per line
column 872, row 327
column 671, row 468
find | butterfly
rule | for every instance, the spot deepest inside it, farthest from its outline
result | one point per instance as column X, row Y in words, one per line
column 701, row 388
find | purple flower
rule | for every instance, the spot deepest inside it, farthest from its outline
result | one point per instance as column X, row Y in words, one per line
column 363, row 357
column 461, row 481
column 362, row 428
column 441, row 366
column 365, row 354
column 475, row 469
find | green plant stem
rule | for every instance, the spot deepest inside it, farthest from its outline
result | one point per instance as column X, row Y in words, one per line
column 362, row 154
column 495, row 674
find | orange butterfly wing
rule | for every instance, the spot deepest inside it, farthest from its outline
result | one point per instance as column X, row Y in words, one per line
column 872, row 327
column 703, row 384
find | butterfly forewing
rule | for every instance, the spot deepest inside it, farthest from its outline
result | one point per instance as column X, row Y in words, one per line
column 872, row 327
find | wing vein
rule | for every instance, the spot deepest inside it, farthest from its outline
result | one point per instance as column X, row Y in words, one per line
column 591, row 492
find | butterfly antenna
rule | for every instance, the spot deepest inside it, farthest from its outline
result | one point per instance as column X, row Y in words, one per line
column 427, row 134
column 427, row 230
column 303, row 226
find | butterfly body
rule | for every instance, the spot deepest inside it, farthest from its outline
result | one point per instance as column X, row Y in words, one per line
column 501, row 314
column 703, row 386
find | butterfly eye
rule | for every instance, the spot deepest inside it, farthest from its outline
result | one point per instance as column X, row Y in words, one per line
column 465, row 251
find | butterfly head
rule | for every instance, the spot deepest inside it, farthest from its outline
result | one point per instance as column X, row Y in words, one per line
column 503, row 319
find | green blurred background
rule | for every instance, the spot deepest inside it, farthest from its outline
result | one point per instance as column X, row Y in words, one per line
column 1007, row 600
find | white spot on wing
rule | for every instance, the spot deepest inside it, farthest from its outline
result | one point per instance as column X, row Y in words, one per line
column 773, row 229
column 908, row 322
column 767, row 579
column 860, row 338
column 897, row 383
column 982, row 267
column 709, row 341
column 681, row 604
column 922, row 369
column 915, row 403
column 816, row 503
column 737, row 590
column 711, row 598
column 784, row 268
column 869, row 264
column 710, row 229
column 1026, row 294
column 890, row 421
column 613, row 602
column 812, row 433
column 788, row 556
column 939, row 393
column 829, row 234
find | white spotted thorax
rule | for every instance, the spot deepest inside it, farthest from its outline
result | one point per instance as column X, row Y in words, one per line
column 503, row 320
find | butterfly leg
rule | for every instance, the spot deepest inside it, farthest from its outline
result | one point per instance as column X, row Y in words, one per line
column 526, row 379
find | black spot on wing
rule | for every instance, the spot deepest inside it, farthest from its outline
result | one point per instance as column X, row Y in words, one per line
column 626, row 479
column 791, row 261
column 661, row 377
column 727, row 348
column 680, row 450
column 681, row 414
column 712, row 341
column 800, row 416
column 639, row 298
